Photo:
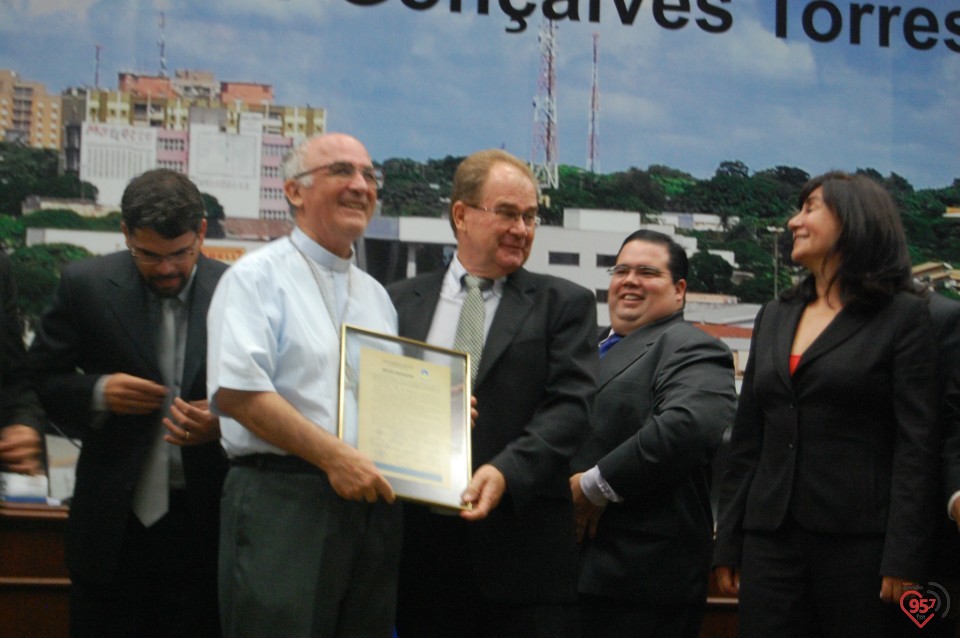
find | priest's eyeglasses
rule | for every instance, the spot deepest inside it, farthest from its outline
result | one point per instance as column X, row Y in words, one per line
column 345, row 171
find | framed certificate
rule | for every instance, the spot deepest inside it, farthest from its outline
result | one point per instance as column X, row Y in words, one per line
column 405, row 404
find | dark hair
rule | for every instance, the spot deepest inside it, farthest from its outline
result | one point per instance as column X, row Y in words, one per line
column 677, row 261
column 874, row 260
column 164, row 201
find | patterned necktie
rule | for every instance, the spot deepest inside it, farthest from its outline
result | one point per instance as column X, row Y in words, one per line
column 151, row 499
column 470, row 326
column 609, row 342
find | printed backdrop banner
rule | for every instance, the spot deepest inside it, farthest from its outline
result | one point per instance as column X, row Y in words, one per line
column 813, row 84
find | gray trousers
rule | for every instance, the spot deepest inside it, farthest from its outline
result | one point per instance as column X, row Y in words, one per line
column 298, row 561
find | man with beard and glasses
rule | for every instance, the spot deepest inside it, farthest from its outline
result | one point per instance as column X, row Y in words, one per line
column 120, row 360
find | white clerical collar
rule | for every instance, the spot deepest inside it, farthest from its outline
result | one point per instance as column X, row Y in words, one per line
column 318, row 253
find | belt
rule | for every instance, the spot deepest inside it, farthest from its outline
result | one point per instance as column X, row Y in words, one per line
column 287, row 464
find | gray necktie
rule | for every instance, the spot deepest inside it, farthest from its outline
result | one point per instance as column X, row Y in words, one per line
column 470, row 326
column 152, row 495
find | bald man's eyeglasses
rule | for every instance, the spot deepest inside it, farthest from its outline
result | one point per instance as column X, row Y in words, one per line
column 346, row 171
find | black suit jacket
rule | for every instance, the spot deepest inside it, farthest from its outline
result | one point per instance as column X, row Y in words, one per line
column 100, row 323
column 534, row 389
column 665, row 394
column 18, row 399
column 946, row 322
column 849, row 444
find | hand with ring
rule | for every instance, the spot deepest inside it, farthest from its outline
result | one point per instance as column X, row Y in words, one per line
column 191, row 423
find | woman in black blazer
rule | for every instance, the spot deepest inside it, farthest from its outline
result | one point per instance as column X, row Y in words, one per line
column 827, row 503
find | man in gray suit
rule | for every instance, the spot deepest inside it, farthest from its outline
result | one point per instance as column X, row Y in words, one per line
column 665, row 393
column 120, row 361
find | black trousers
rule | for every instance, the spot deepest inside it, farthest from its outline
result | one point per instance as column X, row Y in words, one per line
column 438, row 595
column 163, row 588
column 603, row 617
column 804, row 584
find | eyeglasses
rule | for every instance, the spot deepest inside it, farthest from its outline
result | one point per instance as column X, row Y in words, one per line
column 152, row 259
column 511, row 215
column 620, row 271
column 345, row 171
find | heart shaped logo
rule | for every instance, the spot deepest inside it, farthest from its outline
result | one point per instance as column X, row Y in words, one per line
column 919, row 608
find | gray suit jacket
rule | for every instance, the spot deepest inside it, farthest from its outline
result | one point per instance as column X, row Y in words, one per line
column 665, row 394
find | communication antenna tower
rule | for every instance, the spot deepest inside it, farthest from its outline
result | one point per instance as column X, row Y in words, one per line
column 545, row 154
column 163, row 44
column 593, row 139
column 96, row 72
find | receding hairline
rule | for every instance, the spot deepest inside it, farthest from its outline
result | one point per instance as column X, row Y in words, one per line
column 329, row 143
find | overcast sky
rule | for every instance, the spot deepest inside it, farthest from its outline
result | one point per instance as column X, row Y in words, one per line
column 431, row 83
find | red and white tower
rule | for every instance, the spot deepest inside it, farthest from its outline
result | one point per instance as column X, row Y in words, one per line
column 593, row 137
column 545, row 156
column 162, row 43
column 96, row 72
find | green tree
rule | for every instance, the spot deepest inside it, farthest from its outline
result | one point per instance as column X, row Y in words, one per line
column 734, row 168
column 11, row 232
column 66, row 186
column 21, row 169
column 412, row 189
column 709, row 273
column 758, row 289
column 56, row 218
column 674, row 183
column 37, row 271
column 108, row 222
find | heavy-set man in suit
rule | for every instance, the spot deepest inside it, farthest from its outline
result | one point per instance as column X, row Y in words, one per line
column 120, row 357
column 665, row 393
column 508, row 566
column 21, row 417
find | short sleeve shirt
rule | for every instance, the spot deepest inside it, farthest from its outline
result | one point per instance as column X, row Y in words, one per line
column 269, row 330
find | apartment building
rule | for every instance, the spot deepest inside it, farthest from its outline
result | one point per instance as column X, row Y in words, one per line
column 28, row 114
column 228, row 137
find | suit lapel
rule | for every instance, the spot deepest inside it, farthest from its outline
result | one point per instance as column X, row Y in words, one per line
column 518, row 291
column 417, row 313
column 196, row 347
column 128, row 302
column 783, row 323
column 631, row 348
column 844, row 325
